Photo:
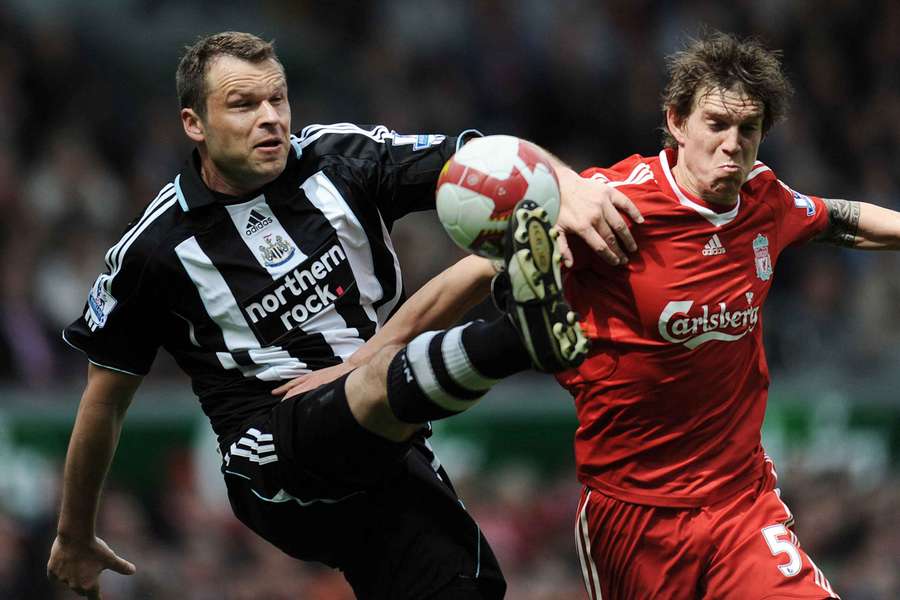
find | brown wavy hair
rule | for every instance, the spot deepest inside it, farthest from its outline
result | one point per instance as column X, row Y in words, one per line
column 721, row 61
column 190, row 77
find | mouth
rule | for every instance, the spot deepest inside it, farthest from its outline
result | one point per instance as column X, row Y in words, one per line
column 269, row 144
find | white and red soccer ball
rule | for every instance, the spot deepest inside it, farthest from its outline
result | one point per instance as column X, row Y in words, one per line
column 482, row 183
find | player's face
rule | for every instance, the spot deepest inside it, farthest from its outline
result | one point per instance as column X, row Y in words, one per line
column 245, row 133
column 717, row 144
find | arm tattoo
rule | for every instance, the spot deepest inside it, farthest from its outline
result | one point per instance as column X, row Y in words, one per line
column 843, row 222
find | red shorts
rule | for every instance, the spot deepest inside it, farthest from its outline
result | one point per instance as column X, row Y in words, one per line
column 740, row 549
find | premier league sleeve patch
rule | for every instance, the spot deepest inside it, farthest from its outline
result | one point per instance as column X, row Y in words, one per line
column 801, row 200
column 417, row 141
column 100, row 304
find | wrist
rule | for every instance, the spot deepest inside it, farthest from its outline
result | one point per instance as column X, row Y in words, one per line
column 75, row 538
column 568, row 180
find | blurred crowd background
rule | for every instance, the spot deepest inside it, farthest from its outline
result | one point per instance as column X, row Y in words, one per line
column 89, row 131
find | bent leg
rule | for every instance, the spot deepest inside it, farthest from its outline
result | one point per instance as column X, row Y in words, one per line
column 437, row 375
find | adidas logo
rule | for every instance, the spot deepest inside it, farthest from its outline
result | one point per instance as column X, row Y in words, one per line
column 713, row 247
column 256, row 222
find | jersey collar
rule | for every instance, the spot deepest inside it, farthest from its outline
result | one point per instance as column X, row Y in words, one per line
column 192, row 192
column 716, row 218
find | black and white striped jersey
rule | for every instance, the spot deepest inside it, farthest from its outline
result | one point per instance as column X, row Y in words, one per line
column 247, row 292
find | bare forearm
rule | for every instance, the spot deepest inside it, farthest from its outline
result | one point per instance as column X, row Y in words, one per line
column 438, row 304
column 879, row 228
column 91, row 449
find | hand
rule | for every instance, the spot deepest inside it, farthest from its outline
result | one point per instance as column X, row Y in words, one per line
column 590, row 209
column 78, row 565
column 310, row 381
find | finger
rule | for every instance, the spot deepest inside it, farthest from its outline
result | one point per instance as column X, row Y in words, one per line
column 596, row 243
column 619, row 227
column 564, row 249
column 611, row 242
column 121, row 566
column 623, row 202
column 284, row 387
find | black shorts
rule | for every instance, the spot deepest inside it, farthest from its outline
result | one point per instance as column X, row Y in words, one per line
column 310, row 480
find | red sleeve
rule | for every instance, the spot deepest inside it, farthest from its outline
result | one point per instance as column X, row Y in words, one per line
column 801, row 217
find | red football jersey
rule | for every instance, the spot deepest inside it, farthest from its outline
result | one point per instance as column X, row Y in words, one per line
column 671, row 399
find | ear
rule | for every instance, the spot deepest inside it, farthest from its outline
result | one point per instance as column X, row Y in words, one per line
column 676, row 125
column 193, row 125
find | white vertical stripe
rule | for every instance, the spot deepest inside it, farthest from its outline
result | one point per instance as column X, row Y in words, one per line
column 223, row 309
column 325, row 197
column 220, row 304
column 588, row 568
column 240, row 214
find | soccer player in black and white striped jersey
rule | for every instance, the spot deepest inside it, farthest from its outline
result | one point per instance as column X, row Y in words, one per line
column 268, row 257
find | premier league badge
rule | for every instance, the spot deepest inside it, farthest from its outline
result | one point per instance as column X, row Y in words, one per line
column 762, row 258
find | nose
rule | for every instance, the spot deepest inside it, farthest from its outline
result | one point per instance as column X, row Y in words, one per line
column 731, row 143
column 267, row 112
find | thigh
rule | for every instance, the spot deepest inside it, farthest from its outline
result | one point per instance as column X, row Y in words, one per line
column 306, row 481
column 630, row 551
column 759, row 555
column 324, row 452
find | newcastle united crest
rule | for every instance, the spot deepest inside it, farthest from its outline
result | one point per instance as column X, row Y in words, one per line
column 276, row 252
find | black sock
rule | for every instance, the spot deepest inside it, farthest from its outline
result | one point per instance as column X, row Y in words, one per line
column 495, row 348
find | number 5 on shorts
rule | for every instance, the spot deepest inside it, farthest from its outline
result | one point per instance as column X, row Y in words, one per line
column 777, row 546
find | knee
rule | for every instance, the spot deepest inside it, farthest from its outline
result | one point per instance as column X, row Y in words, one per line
column 366, row 390
column 374, row 372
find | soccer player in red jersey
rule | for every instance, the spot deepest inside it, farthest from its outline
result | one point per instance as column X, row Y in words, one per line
column 680, row 500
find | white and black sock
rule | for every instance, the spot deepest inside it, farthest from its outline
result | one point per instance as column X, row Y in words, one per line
column 442, row 373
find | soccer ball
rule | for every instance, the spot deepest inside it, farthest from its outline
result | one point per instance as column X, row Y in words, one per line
column 482, row 183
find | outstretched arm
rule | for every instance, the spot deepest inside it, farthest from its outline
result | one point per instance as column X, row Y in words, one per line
column 78, row 555
column 861, row 225
column 436, row 305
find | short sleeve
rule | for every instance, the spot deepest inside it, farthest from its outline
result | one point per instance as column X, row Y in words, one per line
column 399, row 172
column 119, row 326
column 801, row 217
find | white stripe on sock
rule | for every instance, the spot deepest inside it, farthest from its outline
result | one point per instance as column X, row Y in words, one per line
column 460, row 368
column 420, row 363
